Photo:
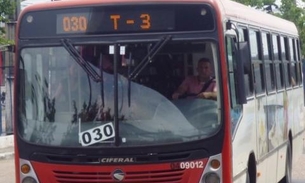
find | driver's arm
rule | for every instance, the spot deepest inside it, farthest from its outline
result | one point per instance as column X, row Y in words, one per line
column 209, row 94
column 181, row 89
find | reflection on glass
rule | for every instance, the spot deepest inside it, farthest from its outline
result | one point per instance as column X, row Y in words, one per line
column 58, row 101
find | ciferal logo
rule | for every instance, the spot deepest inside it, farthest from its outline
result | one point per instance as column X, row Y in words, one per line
column 118, row 175
column 117, row 160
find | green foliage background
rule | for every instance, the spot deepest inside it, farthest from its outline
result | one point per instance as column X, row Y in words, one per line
column 288, row 11
column 7, row 8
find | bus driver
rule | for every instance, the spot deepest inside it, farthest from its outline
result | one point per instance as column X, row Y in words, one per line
column 202, row 85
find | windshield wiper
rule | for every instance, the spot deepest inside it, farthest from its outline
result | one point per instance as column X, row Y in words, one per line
column 149, row 57
column 80, row 60
column 129, row 83
column 102, row 77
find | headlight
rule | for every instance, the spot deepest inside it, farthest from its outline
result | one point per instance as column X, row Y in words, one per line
column 29, row 180
column 212, row 178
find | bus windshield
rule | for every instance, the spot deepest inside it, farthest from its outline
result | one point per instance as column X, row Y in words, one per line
column 61, row 104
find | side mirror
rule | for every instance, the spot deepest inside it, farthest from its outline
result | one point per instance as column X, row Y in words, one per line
column 243, row 66
column 245, row 58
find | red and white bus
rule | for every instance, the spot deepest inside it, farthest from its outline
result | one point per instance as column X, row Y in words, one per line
column 94, row 84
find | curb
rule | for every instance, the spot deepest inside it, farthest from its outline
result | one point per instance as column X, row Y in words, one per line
column 6, row 141
column 6, row 155
column 6, row 147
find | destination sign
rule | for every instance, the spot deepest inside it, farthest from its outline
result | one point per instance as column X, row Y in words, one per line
column 131, row 21
column 120, row 19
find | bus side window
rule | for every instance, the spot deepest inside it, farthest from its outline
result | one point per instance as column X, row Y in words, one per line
column 257, row 62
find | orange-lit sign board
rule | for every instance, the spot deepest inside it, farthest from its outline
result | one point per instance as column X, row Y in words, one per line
column 120, row 19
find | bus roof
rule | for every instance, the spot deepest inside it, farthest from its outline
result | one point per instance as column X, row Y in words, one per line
column 229, row 10
column 250, row 16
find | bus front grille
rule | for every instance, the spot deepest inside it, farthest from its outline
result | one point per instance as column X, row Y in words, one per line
column 160, row 176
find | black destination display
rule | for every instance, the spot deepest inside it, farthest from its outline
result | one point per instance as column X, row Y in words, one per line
column 108, row 21
column 116, row 20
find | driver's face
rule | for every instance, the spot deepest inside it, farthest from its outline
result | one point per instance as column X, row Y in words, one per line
column 204, row 69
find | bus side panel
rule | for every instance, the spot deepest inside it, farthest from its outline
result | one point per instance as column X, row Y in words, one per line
column 281, row 163
column 244, row 142
column 280, row 140
column 296, row 107
column 262, row 140
column 274, row 135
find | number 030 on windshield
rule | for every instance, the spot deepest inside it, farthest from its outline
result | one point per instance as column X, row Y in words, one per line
column 97, row 134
